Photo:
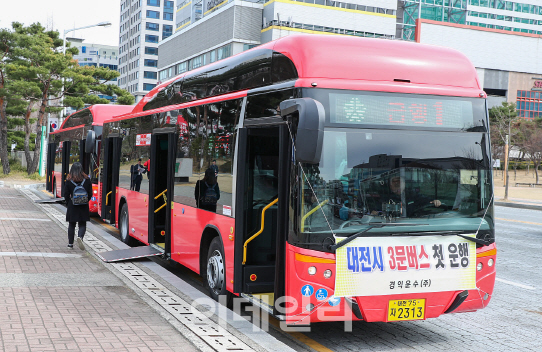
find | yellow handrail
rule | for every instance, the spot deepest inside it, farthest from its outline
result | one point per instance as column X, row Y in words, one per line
column 310, row 213
column 165, row 200
column 163, row 205
column 160, row 194
column 107, row 198
column 259, row 232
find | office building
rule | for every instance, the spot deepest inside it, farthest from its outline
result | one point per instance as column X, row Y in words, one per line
column 143, row 23
column 95, row 55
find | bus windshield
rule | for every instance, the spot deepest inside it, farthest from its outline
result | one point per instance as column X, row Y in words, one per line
column 435, row 180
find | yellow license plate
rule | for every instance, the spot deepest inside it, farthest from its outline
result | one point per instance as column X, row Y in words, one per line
column 406, row 309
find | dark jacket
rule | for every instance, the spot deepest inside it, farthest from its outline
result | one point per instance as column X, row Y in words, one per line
column 76, row 212
column 199, row 193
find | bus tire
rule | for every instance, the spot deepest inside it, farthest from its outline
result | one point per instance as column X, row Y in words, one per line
column 215, row 270
column 54, row 188
column 124, row 225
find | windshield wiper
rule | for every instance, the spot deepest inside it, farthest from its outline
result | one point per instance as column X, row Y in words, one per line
column 372, row 226
column 445, row 233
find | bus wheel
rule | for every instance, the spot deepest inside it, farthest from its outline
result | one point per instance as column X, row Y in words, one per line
column 124, row 226
column 216, row 270
column 54, row 188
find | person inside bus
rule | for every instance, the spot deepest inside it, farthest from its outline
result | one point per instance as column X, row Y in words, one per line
column 76, row 214
column 415, row 200
column 137, row 176
column 207, row 192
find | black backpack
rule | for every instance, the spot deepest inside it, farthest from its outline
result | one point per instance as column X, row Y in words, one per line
column 80, row 195
column 210, row 197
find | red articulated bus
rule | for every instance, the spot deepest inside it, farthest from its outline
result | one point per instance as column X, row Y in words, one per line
column 354, row 179
column 67, row 145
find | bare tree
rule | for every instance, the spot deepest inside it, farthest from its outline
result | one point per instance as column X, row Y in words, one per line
column 504, row 120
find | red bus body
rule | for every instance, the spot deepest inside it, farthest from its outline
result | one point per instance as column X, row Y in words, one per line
column 74, row 129
column 321, row 62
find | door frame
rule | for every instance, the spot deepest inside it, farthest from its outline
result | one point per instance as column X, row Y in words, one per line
column 66, row 150
column 172, row 137
column 282, row 218
column 112, row 151
column 51, row 154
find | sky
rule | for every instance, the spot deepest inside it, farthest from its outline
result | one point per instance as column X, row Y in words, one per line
column 62, row 15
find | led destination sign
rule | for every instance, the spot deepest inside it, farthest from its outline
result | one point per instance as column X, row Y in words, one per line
column 418, row 110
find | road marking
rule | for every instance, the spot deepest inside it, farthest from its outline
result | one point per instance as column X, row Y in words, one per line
column 523, row 222
column 10, row 197
column 515, row 284
column 26, row 219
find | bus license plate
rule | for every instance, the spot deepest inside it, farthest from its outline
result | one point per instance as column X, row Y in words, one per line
column 406, row 309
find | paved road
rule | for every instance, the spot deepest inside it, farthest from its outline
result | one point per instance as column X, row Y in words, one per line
column 511, row 322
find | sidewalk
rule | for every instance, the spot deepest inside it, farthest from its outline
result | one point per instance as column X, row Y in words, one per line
column 60, row 299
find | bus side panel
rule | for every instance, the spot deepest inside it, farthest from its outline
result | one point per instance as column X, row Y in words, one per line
column 138, row 212
column 188, row 224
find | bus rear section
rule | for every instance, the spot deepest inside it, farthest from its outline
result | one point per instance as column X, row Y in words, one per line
column 68, row 145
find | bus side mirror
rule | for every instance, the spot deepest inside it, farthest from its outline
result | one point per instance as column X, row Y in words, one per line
column 90, row 142
column 310, row 127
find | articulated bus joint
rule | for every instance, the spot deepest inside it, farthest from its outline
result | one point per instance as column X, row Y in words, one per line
column 460, row 298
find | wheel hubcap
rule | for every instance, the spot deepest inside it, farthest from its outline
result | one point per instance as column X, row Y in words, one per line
column 215, row 272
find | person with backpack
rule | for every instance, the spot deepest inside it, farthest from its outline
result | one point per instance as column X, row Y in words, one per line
column 77, row 191
column 207, row 192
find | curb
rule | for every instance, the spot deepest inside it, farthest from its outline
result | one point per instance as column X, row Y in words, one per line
column 519, row 205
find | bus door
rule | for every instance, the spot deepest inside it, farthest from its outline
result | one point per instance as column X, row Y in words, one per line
column 84, row 158
column 51, row 152
column 161, row 186
column 260, row 219
column 66, row 150
column 110, row 177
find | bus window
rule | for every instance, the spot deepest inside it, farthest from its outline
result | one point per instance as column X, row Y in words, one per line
column 206, row 139
column 267, row 104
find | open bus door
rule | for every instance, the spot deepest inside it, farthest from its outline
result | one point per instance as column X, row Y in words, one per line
column 161, row 184
column 261, row 217
column 51, row 153
column 110, row 177
column 66, row 149
column 84, row 158
column 161, row 187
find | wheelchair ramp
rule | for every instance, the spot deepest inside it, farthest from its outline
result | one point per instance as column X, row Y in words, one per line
column 130, row 253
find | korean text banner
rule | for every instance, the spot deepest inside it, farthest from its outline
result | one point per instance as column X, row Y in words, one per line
column 374, row 266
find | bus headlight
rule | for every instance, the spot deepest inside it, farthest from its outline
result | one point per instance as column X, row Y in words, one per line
column 328, row 273
column 479, row 266
column 312, row 270
column 490, row 262
column 95, row 192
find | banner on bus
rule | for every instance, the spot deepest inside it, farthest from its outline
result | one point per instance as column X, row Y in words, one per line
column 143, row 139
column 374, row 266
